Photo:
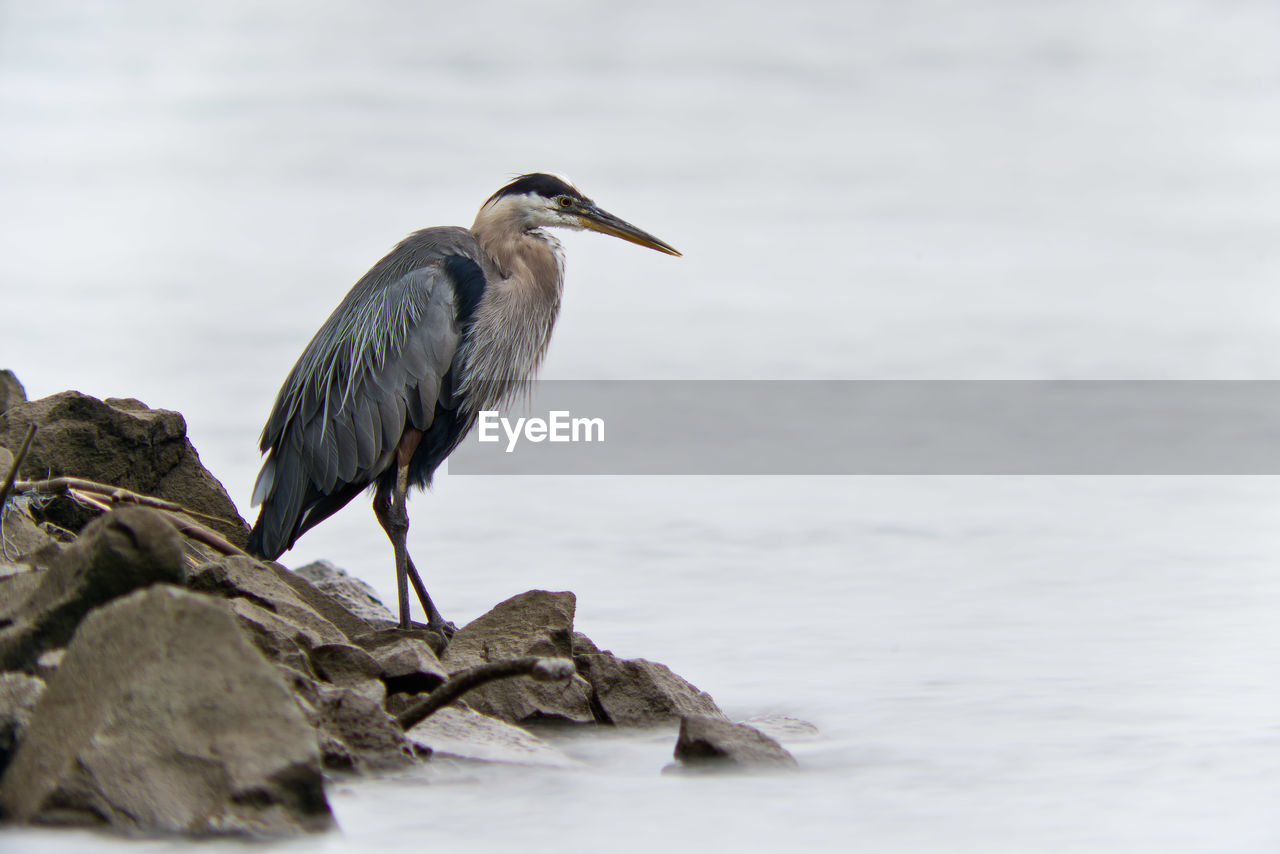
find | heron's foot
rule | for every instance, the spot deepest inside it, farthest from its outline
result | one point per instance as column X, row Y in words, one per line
column 441, row 626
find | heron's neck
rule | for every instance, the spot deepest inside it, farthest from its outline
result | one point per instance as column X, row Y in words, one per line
column 529, row 260
column 512, row 325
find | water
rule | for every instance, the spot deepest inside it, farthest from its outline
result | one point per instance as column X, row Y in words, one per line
column 870, row 190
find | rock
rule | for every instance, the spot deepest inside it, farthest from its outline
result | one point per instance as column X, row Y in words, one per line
column 637, row 692
column 707, row 742
column 61, row 513
column 17, row 584
column 163, row 717
column 122, row 443
column 353, row 730
column 263, row 585
column 306, row 691
column 11, row 391
column 583, row 645
column 326, row 606
column 279, row 640
column 370, row 736
column 536, row 623
column 356, row 596
column 18, row 696
column 347, row 666
column 24, row 537
column 409, row 664
column 466, row 734
column 9, row 571
column 49, row 662
column 126, row 549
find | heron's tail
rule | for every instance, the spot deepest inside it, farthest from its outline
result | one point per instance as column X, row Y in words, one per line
column 256, row 545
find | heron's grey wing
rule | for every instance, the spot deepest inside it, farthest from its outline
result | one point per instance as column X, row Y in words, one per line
column 375, row 366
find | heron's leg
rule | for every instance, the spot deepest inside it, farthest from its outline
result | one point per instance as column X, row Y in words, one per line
column 435, row 620
column 383, row 511
column 392, row 512
column 400, row 541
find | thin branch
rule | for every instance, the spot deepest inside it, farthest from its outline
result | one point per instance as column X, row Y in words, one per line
column 17, row 461
column 115, row 493
column 85, row 491
column 202, row 534
column 95, row 503
column 541, row 669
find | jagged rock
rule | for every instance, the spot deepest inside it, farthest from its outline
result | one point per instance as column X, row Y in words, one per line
column 353, row 730
column 123, row 443
column 347, row 666
column 326, row 606
column 466, row 734
column 707, row 742
column 371, row 736
column 537, row 623
column 60, row 513
column 17, row 583
column 334, row 754
column 261, row 584
column 18, row 696
column 637, row 692
column 409, row 664
column 163, row 717
column 583, row 645
column 24, row 537
column 129, row 548
column 279, row 640
column 11, row 392
column 355, row 595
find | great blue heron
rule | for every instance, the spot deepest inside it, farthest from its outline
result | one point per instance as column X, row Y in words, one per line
column 451, row 322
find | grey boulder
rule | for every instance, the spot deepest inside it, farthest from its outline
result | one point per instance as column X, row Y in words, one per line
column 408, row 661
column 465, row 734
column 123, row 443
column 355, row 595
column 163, row 717
column 266, row 585
column 708, row 742
column 129, row 548
column 538, row 623
column 11, row 391
column 637, row 692
column 18, row 696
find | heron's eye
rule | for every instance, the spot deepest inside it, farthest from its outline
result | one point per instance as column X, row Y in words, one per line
column 565, row 202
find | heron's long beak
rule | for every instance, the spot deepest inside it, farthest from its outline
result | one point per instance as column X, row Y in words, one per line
column 606, row 223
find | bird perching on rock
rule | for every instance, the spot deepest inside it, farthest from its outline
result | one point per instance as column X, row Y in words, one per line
column 451, row 322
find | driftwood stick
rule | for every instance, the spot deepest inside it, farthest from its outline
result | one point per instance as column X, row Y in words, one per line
column 87, row 491
column 17, row 461
column 541, row 669
column 201, row 534
column 91, row 500
column 115, row 493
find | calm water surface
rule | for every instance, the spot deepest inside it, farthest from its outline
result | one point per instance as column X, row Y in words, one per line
column 862, row 190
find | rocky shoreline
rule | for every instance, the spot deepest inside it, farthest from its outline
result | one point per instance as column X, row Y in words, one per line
column 154, row 678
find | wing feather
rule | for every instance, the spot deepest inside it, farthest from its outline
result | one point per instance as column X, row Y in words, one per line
column 376, row 366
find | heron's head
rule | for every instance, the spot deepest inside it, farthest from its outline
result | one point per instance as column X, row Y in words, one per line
column 539, row 200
